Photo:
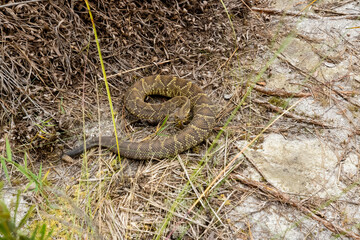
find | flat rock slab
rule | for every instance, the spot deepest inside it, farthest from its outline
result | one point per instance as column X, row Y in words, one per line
column 303, row 166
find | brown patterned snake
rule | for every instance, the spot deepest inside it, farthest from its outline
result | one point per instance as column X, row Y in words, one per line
column 165, row 146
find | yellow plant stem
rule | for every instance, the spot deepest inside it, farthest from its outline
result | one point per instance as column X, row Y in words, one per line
column 105, row 79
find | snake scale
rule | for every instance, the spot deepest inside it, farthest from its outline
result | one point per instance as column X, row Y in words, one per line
column 180, row 90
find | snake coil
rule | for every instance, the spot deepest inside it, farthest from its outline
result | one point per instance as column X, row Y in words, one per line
column 180, row 90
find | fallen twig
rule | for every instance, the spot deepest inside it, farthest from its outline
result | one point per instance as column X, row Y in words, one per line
column 280, row 92
column 285, row 198
column 142, row 67
column 284, row 13
column 302, row 72
column 288, row 114
column 302, row 14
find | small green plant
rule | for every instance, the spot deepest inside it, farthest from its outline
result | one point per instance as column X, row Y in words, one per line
column 9, row 230
column 43, row 125
column 38, row 180
column 279, row 102
column 162, row 127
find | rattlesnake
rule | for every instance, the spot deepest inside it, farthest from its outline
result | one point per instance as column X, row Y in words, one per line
column 191, row 96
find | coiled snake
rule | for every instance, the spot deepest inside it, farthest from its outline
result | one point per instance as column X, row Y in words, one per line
column 183, row 92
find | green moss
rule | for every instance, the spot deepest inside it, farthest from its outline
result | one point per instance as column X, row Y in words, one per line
column 352, row 108
column 279, row 102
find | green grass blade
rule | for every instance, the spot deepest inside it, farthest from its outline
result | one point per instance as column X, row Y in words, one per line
column 33, row 236
column 26, row 217
column 28, row 174
column 25, row 161
column 39, row 176
column 16, row 205
column 8, row 149
column 49, row 233
column 42, row 232
column 105, row 79
column 3, row 166
column 6, row 227
column 2, row 159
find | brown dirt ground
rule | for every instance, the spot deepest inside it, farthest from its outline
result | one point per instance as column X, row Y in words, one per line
column 49, row 76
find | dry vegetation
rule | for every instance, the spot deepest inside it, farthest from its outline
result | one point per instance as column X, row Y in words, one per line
column 50, row 74
column 51, row 87
column 50, row 57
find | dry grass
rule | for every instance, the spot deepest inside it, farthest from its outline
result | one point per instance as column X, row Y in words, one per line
column 51, row 88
